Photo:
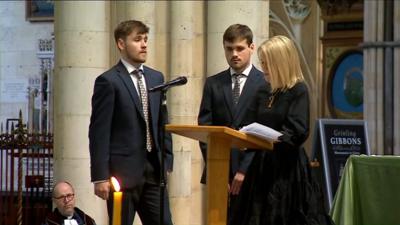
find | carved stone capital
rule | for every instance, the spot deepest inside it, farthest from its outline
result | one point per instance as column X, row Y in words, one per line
column 298, row 10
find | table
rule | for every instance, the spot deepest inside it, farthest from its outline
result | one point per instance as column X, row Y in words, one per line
column 369, row 192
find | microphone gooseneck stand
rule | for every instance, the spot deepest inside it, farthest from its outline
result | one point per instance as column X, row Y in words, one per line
column 161, row 136
column 161, row 126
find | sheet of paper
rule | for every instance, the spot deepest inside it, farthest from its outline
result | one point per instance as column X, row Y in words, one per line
column 261, row 131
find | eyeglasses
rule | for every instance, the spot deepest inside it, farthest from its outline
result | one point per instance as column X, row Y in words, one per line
column 67, row 197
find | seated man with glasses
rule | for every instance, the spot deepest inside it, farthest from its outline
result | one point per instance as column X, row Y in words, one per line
column 65, row 212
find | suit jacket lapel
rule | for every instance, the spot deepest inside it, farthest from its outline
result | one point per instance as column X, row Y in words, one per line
column 153, row 97
column 124, row 75
column 227, row 89
column 248, row 88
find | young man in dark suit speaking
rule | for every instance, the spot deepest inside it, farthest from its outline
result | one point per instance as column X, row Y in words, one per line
column 226, row 97
column 124, row 130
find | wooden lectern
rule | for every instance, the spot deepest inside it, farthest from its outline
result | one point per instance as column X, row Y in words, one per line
column 220, row 140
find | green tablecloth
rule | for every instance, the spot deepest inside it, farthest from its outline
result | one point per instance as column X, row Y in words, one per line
column 369, row 192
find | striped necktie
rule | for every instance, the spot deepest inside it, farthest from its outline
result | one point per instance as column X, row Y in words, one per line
column 236, row 88
column 145, row 105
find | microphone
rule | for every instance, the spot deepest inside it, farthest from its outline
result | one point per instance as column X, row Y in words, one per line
column 176, row 82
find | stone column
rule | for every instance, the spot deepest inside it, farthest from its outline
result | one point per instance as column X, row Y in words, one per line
column 145, row 12
column 186, row 58
column 155, row 15
column 301, row 23
column 373, row 75
column 396, row 76
column 82, row 53
column 220, row 15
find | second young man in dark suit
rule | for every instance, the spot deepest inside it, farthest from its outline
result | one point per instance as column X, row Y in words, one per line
column 124, row 130
column 226, row 97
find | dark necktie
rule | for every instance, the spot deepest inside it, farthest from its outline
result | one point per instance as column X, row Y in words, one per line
column 236, row 88
column 145, row 105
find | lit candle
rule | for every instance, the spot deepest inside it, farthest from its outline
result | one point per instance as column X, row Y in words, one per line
column 116, row 216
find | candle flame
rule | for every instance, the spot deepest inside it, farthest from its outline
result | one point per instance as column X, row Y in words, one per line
column 115, row 183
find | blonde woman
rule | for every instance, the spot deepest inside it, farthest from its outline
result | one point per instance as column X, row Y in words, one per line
column 281, row 190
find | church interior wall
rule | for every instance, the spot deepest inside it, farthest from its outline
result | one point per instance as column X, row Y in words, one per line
column 19, row 62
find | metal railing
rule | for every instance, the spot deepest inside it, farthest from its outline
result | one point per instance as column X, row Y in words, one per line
column 26, row 175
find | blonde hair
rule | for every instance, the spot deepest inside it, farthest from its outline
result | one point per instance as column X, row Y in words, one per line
column 278, row 56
